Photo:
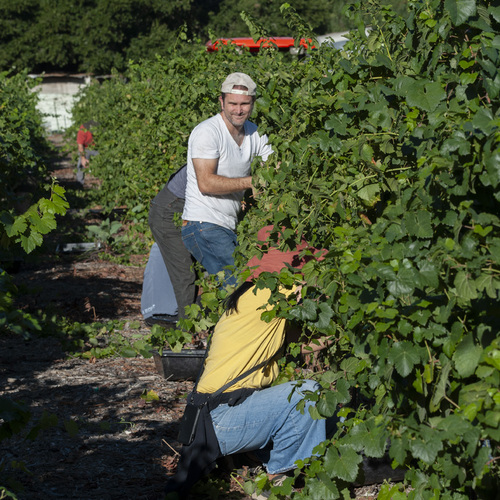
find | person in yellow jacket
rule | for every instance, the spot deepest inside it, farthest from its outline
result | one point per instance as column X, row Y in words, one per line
column 250, row 414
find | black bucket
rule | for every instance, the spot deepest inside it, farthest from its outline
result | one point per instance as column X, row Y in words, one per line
column 184, row 365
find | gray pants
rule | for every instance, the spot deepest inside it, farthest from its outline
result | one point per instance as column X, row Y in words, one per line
column 177, row 258
column 80, row 171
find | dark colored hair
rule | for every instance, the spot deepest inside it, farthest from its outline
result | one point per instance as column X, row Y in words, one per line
column 231, row 303
column 90, row 124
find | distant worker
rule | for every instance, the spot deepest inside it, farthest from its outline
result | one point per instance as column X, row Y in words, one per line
column 220, row 153
column 85, row 141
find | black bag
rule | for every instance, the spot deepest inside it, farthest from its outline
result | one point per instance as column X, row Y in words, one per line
column 188, row 423
column 192, row 412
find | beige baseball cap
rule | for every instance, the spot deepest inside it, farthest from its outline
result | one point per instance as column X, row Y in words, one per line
column 236, row 79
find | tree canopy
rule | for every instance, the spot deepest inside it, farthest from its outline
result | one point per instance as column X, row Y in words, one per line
column 96, row 36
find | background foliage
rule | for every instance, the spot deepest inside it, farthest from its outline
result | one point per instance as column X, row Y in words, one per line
column 28, row 210
column 25, row 215
column 389, row 158
column 98, row 35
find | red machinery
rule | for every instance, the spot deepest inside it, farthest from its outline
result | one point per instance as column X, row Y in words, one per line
column 282, row 42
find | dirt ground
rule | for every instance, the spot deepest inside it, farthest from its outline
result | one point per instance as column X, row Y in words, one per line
column 101, row 439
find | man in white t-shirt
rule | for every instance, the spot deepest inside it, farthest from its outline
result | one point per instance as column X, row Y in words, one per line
column 220, row 153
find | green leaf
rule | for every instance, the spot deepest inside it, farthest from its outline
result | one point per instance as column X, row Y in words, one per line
column 492, row 162
column 482, row 231
column 453, row 427
column 324, row 317
column 351, row 365
column 440, row 387
column 71, row 427
column 404, row 284
column 337, row 123
column 342, row 388
column 209, row 300
column 58, row 189
column 419, row 224
column 482, row 458
column 465, row 286
column 466, row 356
column 426, row 449
column 491, row 418
column 343, row 463
column 391, row 492
column 489, row 284
column 404, row 355
column 128, row 352
column 468, row 78
column 355, row 319
column 424, row 94
column 493, row 356
column 327, row 405
column 31, row 242
column 460, row 10
column 307, row 311
column 13, row 227
column 150, row 396
column 367, row 153
column 369, row 437
column 370, row 193
column 48, row 420
column 43, row 224
column 398, row 449
column 484, row 121
column 429, row 275
column 322, row 488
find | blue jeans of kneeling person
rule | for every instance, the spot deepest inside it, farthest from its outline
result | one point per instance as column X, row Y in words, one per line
column 269, row 424
column 212, row 246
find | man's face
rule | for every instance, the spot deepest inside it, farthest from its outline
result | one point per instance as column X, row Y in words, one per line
column 236, row 108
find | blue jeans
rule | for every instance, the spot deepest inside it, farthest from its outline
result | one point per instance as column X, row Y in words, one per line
column 212, row 246
column 269, row 422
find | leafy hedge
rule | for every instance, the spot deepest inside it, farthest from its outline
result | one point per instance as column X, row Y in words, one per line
column 389, row 157
column 25, row 215
column 391, row 162
column 28, row 210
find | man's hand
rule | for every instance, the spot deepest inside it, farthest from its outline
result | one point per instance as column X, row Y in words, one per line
column 81, row 153
column 210, row 183
column 307, row 350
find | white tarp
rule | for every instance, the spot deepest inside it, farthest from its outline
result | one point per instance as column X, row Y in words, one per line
column 56, row 98
column 158, row 295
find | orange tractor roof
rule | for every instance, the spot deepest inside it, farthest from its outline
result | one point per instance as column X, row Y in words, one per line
column 282, row 42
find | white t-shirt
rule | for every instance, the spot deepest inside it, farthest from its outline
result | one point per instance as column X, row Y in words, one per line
column 210, row 140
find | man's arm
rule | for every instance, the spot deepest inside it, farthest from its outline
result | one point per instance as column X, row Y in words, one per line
column 293, row 334
column 81, row 153
column 213, row 184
